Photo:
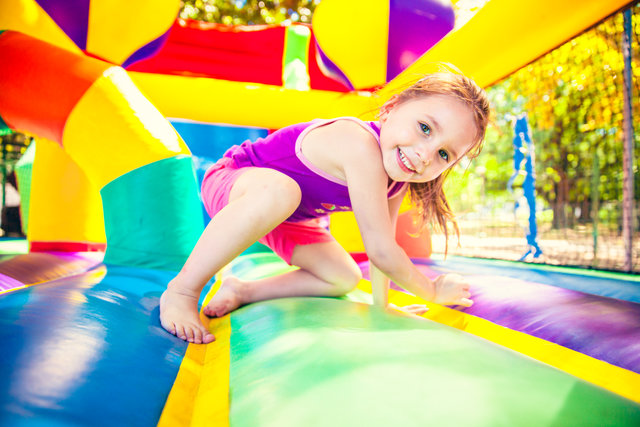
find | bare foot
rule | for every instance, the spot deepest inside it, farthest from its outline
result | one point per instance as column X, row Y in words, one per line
column 179, row 316
column 227, row 299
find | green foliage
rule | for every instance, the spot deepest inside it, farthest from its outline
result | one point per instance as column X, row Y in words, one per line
column 249, row 12
column 574, row 100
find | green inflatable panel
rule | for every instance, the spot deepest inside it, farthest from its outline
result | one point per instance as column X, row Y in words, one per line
column 295, row 61
column 153, row 215
column 332, row 362
column 24, row 169
column 4, row 128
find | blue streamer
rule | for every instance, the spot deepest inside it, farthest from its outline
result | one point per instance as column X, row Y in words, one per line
column 524, row 151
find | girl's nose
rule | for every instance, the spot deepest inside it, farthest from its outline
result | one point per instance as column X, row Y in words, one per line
column 425, row 157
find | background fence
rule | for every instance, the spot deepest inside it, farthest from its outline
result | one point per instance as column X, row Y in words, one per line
column 574, row 100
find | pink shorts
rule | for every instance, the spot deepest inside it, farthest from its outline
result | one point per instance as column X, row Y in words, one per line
column 216, row 186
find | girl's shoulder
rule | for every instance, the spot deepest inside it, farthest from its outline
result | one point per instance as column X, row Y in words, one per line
column 340, row 144
column 348, row 132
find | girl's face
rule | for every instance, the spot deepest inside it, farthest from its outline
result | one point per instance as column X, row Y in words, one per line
column 422, row 137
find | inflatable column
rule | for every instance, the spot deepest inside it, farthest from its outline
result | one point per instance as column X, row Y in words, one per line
column 65, row 209
column 93, row 110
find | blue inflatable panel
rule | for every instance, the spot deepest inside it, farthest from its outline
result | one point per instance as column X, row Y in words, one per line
column 87, row 351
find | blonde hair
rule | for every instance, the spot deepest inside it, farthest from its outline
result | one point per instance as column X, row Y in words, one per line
column 428, row 197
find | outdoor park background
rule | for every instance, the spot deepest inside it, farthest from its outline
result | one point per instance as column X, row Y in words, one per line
column 574, row 99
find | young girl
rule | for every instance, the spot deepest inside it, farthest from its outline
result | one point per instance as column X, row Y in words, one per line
column 279, row 189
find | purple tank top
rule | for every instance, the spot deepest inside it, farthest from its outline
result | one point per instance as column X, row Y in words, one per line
column 322, row 193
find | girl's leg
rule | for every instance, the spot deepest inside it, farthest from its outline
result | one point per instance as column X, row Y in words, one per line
column 259, row 200
column 326, row 269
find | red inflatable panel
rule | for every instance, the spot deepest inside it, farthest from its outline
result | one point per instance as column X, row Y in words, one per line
column 242, row 53
column 237, row 53
column 36, row 246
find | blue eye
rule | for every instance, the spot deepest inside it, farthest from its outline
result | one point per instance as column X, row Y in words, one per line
column 444, row 155
column 425, row 128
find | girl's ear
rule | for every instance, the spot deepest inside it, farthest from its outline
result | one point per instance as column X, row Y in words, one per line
column 387, row 107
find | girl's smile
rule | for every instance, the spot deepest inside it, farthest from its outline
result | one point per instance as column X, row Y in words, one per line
column 405, row 163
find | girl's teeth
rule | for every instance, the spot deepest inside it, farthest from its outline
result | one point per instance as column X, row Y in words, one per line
column 405, row 161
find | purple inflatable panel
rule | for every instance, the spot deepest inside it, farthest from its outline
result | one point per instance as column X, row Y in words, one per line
column 72, row 16
column 147, row 50
column 7, row 283
column 330, row 69
column 600, row 327
column 414, row 27
column 39, row 267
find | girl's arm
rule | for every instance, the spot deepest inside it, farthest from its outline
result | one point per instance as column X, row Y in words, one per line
column 367, row 180
column 379, row 281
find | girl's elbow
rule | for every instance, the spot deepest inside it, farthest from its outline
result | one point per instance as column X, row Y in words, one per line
column 383, row 259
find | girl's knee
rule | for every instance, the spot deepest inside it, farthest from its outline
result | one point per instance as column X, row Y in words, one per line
column 286, row 190
column 282, row 192
column 347, row 280
column 330, row 263
column 269, row 187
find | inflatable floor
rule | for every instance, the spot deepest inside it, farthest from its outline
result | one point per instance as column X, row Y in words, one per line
column 86, row 348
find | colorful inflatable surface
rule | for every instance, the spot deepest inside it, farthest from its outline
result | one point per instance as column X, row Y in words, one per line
column 124, row 129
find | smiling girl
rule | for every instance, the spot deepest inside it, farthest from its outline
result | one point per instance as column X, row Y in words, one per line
column 278, row 190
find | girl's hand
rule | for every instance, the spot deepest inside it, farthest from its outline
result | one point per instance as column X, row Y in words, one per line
column 413, row 309
column 452, row 289
column 417, row 309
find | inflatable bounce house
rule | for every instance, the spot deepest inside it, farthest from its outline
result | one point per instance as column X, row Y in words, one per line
column 128, row 106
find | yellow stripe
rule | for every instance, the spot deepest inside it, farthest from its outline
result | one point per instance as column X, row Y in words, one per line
column 211, row 405
column 200, row 394
column 613, row 378
column 114, row 129
column 178, row 410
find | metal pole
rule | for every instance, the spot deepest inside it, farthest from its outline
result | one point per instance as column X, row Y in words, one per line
column 4, row 184
column 627, row 158
column 595, row 205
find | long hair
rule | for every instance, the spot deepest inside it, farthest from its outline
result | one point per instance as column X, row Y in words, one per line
column 429, row 197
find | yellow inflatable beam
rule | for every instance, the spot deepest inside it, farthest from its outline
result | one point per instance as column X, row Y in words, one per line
column 506, row 35
column 248, row 104
column 126, row 130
